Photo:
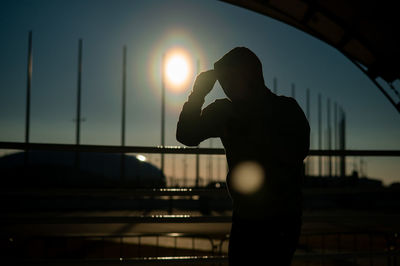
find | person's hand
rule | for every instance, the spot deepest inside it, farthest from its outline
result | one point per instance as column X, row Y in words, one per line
column 204, row 82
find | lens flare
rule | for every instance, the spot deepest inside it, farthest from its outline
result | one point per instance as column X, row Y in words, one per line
column 247, row 177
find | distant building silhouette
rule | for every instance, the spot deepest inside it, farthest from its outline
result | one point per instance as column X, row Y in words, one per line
column 55, row 168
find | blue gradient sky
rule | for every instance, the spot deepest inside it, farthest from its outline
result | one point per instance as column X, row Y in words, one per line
column 207, row 29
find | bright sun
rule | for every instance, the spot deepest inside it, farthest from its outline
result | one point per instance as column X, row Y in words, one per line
column 177, row 69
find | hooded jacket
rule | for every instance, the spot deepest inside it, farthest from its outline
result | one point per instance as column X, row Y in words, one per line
column 257, row 129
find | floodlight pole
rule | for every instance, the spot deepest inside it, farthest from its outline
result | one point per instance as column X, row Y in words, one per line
column 329, row 135
column 28, row 88
column 162, row 110
column 342, row 141
column 319, row 135
column 335, row 136
column 275, row 85
column 197, row 154
column 78, row 103
column 309, row 122
column 293, row 91
column 28, row 95
column 123, row 111
column 123, row 96
column 79, row 88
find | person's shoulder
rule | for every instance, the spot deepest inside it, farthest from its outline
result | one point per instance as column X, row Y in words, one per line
column 287, row 101
column 288, row 105
column 283, row 98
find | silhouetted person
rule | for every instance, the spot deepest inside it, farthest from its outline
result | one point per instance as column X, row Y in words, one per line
column 266, row 139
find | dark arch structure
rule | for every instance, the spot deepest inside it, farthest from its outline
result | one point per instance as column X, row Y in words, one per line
column 366, row 32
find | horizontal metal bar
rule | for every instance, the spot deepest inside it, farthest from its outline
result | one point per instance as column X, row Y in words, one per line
column 183, row 218
column 115, row 219
column 344, row 255
column 214, row 235
column 182, row 260
column 181, row 192
column 391, row 153
column 173, row 149
column 113, row 192
column 109, row 148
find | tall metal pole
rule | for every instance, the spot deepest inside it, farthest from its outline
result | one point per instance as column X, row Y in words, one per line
column 78, row 103
column 335, row 136
column 184, row 170
column 173, row 168
column 342, row 136
column 123, row 110
column 197, row 155
column 123, row 96
column 210, row 163
column 78, row 100
column 28, row 88
column 28, row 96
column 308, row 105
column 162, row 110
column 308, row 163
column 293, row 91
column 319, row 135
column 329, row 140
column 218, row 167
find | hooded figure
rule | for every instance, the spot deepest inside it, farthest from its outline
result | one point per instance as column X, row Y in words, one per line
column 266, row 139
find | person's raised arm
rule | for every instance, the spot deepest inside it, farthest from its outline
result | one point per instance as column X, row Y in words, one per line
column 192, row 127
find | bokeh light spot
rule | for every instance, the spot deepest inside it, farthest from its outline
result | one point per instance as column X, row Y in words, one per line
column 247, row 177
column 141, row 158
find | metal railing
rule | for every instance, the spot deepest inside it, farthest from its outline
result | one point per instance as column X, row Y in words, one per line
column 217, row 257
column 361, row 248
column 173, row 149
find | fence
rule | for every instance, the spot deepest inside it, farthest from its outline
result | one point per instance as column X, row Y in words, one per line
column 371, row 247
column 334, row 248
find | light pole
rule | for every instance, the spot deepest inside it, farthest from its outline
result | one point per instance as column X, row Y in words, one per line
column 28, row 96
column 124, row 51
column 78, row 94
column 28, row 88
column 162, row 110
column 78, row 103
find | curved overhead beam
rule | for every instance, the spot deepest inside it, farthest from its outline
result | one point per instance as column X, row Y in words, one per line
column 366, row 32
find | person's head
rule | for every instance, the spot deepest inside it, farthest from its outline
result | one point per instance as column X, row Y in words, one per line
column 240, row 74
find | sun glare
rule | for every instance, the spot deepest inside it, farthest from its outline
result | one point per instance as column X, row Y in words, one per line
column 177, row 70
